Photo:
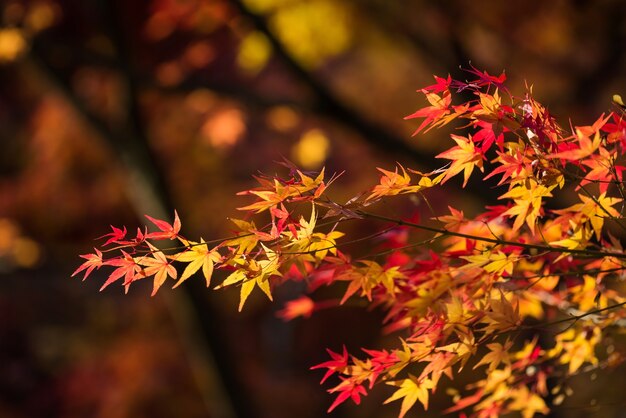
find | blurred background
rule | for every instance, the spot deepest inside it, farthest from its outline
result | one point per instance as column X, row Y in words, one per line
column 113, row 109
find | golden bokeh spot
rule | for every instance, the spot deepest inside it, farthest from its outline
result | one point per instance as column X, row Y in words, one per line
column 265, row 6
column 41, row 16
column 282, row 118
column 209, row 16
column 313, row 31
column 170, row 73
column 159, row 26
column 8, row 233
column 15, row 248
column 311, row 150
column 224, row 128
column 26, row 252
column 12, row 44
column 201, row 100
column 199, row 54
column 254, row 52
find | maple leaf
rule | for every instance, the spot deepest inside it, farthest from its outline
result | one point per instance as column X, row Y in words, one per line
column 491, row 109
column 312, row 246
column 393, row 183
column 501, row 316
column 589, row 294
column 198, row 256
column 576, row 238
column 441, row 85
column 455, row 312
column 307, row 227
column 453, row 221
column 94, row 261
column 381, row 361
column 273, row 193
column 247, row 238
column 484, row 78
column 115, row 236
column 596, row 209
column 256, row 273
column 514, row 163
column 167, row 231
column 461, row 351
column 347, row 389
column 527, row 198
column 321, row 244
column 158, row 265
column 577, row 346
column 268, row 198
column 616, row 129
column 499, row 353
column 369, row 276
column 603, row 170
column 410, row 391
column 337, row 364
column 527, row 403
column 127, row 267
column 310, row 183
column 586, row 147
column 465, row 156
column 493, row 262
column 440, row 107
column 402, row 358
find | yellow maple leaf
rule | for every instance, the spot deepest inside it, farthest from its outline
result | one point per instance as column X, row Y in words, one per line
column 527, row 198
column 527, row 403
column 393, row 183
column 576, row 346
column 453, row 221
column 499, row 353
column 198, row 256
column 501, row 316
column 595, row 209
column 158, row 265
column 252, row 273
column 246, row 239
column 576, row 239
column 410, row 391
column 492, row 262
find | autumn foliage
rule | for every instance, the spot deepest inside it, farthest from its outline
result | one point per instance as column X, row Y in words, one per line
column 460, row 291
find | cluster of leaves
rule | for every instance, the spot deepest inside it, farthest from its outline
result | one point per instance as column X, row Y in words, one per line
column 480, row 300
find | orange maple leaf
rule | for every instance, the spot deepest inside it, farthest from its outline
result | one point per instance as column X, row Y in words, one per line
column 158, row 265
column 440, row 107
column 465, row 156
column 94, row 261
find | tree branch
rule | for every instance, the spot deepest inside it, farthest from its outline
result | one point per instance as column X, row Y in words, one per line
column 497, row 241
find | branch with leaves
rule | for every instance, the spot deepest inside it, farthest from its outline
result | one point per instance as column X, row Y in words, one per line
column 459, row 291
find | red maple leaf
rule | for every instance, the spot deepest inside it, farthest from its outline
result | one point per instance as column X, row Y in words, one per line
column 484, row 78
column 167, row 231
column 441, row 85
column 127, row 267
column 440, row 107
column 94, row 261
column 115, row 236
column 347, row 389
column 338, row 363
